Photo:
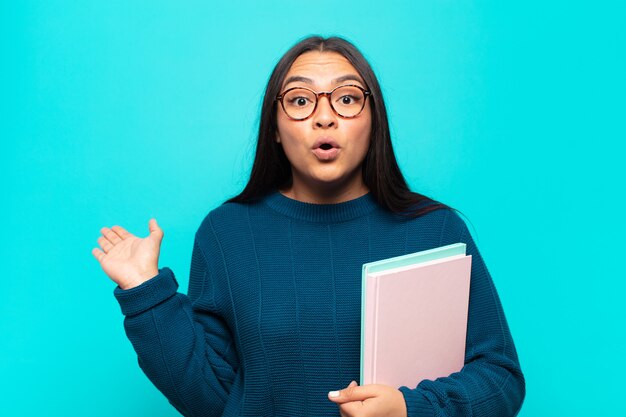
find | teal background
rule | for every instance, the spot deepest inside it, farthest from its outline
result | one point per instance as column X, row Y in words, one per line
column 116, row 111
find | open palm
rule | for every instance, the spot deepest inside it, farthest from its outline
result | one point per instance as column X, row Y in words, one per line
column 127, row 259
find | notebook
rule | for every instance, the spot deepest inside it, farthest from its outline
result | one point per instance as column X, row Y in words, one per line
column 414, row 316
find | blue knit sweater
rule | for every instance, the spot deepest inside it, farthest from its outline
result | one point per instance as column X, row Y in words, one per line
column 271, row 321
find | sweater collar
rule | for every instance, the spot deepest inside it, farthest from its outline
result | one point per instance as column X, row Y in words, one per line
column 321, row 213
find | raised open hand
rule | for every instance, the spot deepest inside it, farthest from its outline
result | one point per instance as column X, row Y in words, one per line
column 127, row 259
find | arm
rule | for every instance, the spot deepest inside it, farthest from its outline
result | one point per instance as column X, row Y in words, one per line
column 184, row 349
column 491, row 383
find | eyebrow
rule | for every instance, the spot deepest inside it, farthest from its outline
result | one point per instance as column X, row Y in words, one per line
column 296, row 78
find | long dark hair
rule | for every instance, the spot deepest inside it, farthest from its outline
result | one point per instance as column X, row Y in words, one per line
column 381, row 174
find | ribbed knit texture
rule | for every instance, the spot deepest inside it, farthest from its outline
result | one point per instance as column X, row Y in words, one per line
column 271, row 321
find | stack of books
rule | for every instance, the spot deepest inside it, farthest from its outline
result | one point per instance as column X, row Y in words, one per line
column 414, row 316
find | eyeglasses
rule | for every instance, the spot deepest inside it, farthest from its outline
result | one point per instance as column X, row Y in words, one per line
column 347, row 101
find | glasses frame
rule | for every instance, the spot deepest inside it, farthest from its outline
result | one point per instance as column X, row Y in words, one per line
column 366, row 93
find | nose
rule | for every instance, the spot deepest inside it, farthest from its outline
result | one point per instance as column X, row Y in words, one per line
column 324, row 116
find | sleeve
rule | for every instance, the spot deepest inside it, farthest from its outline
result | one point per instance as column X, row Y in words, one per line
column 491, row 382
column 183, row 346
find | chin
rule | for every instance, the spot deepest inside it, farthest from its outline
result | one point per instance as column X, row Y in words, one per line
column 334, row 181
column 328, row 177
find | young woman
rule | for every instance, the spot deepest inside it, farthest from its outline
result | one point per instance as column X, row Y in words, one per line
column 271, row 322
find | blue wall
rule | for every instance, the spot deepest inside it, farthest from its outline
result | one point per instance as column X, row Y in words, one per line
column 116, row 111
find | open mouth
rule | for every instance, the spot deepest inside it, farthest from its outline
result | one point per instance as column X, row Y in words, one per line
column 326, row 151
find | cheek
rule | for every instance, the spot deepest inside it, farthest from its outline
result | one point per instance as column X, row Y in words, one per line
column 291, row 142
column 363, row 133
column 363, row 129
column 288, row 131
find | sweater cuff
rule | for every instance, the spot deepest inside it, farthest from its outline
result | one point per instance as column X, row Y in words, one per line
column 417, row 404
column 148, row 294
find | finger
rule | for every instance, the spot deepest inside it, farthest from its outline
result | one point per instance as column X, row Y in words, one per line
column 99, row 255
column 350, row 409
column 121, row 232
column 110, row 235
column 105, row 244
column 353, row 393
column 335, row 394
column 155, row 230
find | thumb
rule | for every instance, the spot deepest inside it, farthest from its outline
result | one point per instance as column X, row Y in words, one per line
column 155, row 230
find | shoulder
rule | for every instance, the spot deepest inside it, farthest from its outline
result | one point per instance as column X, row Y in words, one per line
column 444, row 223
column 230, row 219
column 453, row 222
column 222, row 218
column 220, row 226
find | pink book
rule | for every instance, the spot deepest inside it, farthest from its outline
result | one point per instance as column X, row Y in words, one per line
column 415, row 321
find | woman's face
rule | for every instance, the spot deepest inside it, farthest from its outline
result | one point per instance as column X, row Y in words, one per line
column 316, row 170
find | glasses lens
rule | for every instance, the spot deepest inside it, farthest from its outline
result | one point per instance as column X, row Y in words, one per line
column 299, row 103
column 348, row 101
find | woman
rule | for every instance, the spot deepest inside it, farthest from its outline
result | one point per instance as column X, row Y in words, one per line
column 271, row 322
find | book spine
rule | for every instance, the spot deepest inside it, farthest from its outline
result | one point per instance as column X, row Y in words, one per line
column 374, row 345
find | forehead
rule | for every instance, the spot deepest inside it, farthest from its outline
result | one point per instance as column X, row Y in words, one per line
column 321, row 67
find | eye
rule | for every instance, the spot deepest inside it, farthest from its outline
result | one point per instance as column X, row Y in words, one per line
column 299, row 101
column 347, row 100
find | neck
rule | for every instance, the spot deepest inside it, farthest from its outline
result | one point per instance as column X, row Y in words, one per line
column 325, row 193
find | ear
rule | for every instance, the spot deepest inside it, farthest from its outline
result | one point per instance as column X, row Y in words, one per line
column 277, row 138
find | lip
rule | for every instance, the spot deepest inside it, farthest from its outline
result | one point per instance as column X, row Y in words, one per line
column 326, row 154
column 323, row 140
